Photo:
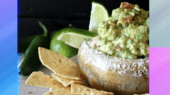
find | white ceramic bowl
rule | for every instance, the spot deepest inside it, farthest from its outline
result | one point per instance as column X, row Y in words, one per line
column 119, row 75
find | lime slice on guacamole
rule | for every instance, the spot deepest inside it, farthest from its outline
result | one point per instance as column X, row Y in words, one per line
column 98, row 14
column 68, row 40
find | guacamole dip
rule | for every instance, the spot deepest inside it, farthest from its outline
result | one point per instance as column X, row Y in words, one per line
column 126, row 33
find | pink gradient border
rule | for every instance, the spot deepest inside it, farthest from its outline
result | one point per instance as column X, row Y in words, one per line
column 159, row 63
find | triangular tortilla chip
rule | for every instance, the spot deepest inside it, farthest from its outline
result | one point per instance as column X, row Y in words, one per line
column 39, row 79
column 72, row 94
column 58, row 92
column 84, row 90
column 59, row 64
column 99, row 92
column 78, row 89
column 66, row 81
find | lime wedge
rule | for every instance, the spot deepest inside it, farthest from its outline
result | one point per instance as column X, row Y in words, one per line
column 62, row 48
column 73, row 39
column 98, row 14
column 67, row 41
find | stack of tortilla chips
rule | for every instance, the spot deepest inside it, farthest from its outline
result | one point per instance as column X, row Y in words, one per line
column 65, row 79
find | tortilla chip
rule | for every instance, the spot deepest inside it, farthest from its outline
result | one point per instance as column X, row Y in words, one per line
column 39, row 79
column 84, row 90
column 72, row 94
column 78, row 89
column 67, row 81
column 86, row 93
column 59, row 64
column 98, row 92
column 61, row 91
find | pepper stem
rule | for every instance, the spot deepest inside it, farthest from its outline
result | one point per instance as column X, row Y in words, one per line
column 44, row 28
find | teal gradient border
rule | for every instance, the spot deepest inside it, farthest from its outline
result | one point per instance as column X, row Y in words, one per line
column 159, row 23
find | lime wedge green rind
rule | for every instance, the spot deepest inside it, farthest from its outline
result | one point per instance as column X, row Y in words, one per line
column 62, row 48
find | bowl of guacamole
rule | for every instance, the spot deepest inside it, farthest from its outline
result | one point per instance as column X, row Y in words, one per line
column 117, row 59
